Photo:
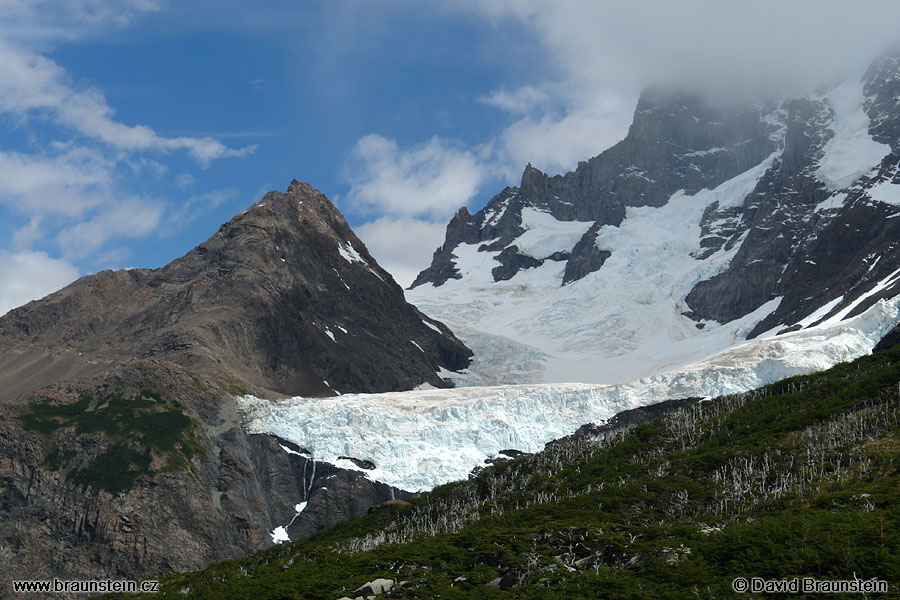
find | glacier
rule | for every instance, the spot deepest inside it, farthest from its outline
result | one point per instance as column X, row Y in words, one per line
column 424, row 438
column 549, row 357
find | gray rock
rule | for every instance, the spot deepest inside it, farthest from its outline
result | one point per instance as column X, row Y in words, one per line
column 376, row 586
column 225, row 505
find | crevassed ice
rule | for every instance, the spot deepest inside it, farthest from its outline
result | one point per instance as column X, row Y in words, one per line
column 421, row 439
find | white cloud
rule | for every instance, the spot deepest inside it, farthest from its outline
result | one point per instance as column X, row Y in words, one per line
column 59, row 20
column 401, row 245
column 520, row 101
column 29, row 275
column 129, row 218
column 184, row 181
column 25, row 236
column 603, row 53
column 746, row 47
column 67, row 183
column 83, row 188
column 31, row 84
column 555, row 143
column 430, row 179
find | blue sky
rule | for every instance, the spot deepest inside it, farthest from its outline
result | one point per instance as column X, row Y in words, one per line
column 130, row 130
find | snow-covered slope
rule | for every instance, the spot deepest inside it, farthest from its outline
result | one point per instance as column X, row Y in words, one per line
column 704, row 228
column 421, row 439
column 622, row 322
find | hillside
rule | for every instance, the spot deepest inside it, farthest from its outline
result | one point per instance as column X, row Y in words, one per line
column 796, row 479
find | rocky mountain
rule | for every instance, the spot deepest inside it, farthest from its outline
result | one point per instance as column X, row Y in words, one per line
column 705, row 227
column 122, row 450
column 283, row 298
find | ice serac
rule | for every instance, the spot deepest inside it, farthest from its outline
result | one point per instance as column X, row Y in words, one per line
column 421, row 439
column 705, row 227
column 284, row 297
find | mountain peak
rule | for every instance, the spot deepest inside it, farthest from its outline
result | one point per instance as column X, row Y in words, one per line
column 532, row 177
column 300, row 205
column 284, row 297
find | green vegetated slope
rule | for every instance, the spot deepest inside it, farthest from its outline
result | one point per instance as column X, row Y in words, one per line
column 130, row 431
column 799, row 478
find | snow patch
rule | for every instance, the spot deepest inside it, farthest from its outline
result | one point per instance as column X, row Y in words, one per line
column 545, row 235
column 734, row 191
column 836, row 201
column 435, row 327
column 820, row 312
column 851, row 152
column 349, row 253
column 886, row 192
column 881, row 285
column 289, row 451
column 279, row 535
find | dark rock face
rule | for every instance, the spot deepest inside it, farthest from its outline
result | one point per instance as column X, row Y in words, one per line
column 501, row 457
column 676, row 141
column 796, row 239
column 511, row 262
column 284, row 297
column 792, row 250
column 888, row 341
column 368, row 465
column 586, row 257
